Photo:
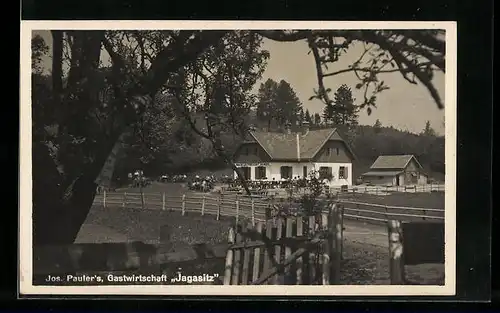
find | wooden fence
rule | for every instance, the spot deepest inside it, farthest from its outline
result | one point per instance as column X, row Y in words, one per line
column 375, row 190
column 257, row 209
column 378, row 213
column 239, row 207
column 298, row 250
column 381, row 190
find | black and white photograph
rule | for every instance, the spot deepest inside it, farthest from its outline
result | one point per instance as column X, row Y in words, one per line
column 185, row 158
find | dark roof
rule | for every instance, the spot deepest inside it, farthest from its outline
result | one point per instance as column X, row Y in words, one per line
column 393, row 161
column 296, row 146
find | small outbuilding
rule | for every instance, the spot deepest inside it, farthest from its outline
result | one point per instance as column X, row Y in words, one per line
column 395, row 170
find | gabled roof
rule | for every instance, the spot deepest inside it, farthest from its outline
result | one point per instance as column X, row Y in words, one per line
column 296, row 146
column 393, row 162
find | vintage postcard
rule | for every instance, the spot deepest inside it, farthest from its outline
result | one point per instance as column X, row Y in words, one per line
column 237, row 158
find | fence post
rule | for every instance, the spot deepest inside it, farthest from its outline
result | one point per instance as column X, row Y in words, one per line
column 396, row 265
column 183, row 208
column 386, row 213
column 163, row 201
column 425, row 213
column 203, row 206
column 104, row 198
column 336, row 234
column 237, row 210
column 124, row 203
column 219, row 207
column 229, row 258
column 253, row 213
column 357, row 212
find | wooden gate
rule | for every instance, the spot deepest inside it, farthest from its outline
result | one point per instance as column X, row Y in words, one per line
column 287, row 251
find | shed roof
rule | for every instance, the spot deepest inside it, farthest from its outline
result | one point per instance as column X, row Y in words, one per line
column 393, row 161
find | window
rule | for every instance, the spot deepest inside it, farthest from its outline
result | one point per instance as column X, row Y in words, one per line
column 286, row 172
column 343, row 172
column 325, row 172
column 260, row 172
column 337, row 151
column 327, row 151
column 256, row 151
column 246, row 172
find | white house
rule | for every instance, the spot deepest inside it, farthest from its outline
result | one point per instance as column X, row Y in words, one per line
column 275, row 156
column 396, row 170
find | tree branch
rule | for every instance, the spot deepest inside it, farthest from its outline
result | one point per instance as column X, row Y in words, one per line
column 352, row 69
column 170, row 60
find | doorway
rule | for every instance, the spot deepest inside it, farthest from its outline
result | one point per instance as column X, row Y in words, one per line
column 397, row 180
column 304, row 171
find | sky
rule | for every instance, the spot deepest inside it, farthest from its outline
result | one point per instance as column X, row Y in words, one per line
column 404, row 106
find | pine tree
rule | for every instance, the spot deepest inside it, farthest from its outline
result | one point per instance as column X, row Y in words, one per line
column 288, row 104
column 301, row 115
column 377, row 126
column 428, row 130
column 317, row 119
column 307, row 117
column 266, row 103
column 342, row 111
column 278, row 103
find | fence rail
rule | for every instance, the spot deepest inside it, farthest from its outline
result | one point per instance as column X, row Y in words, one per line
column 257, row 209
column 237, row 207
column 383, row 213
column 382, row 189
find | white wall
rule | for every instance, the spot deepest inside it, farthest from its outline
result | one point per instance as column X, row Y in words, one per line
column 273, row 170
column 335, row 171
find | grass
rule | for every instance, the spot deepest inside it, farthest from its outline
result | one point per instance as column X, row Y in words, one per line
column 430, row 200
column 366, row 264
column 145, row 225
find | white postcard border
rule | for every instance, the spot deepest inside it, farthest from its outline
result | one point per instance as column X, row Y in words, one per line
column 25, row 195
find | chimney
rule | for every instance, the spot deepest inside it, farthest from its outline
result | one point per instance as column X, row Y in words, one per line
column 305, row 127
column 288, row 128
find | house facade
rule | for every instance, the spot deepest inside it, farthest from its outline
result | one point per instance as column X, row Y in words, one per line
column 277, row 156
column 396, row 170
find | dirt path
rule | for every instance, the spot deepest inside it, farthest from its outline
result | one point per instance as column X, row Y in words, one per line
column 371, row 234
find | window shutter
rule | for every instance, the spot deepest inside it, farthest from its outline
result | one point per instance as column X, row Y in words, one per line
column 346, row 172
